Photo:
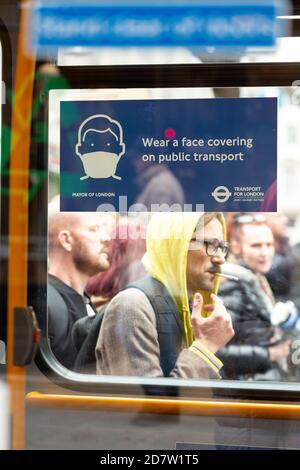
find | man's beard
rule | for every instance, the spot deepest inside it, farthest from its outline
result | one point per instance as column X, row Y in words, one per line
column 204, row 282
column 88, row 264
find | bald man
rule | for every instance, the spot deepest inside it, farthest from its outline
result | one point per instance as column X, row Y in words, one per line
column 78, row 244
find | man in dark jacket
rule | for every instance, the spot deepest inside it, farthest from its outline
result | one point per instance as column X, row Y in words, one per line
column 78, row 244
column 257, row 351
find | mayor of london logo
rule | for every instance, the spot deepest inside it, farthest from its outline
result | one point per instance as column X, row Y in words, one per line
column 221, row 194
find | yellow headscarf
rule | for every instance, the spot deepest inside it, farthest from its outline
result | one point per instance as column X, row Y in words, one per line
column 168, row 238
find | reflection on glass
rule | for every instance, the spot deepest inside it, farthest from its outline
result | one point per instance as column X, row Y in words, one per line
column 263, row 303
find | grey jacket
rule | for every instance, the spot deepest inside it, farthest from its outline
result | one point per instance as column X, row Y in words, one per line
column 128, row 343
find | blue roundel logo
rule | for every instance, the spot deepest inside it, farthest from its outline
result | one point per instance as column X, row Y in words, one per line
column 221, row 194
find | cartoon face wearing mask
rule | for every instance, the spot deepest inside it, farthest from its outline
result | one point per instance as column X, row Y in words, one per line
column 100, row 146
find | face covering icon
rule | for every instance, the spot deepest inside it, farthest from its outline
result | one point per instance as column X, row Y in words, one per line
column 100, row 146
column 100, row 165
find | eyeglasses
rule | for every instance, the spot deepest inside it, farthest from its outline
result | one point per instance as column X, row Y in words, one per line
column 213, row 245
column 248, row 218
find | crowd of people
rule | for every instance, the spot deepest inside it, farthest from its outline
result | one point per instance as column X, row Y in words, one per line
column 191, row 295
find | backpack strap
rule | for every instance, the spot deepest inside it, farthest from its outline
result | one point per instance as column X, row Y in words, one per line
column 169, row 327
column 90, row 327
column 58, row 316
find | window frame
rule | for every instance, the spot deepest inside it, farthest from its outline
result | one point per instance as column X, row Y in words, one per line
column 155, row 76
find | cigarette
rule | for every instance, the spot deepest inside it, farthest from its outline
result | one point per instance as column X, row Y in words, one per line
column 228, row 276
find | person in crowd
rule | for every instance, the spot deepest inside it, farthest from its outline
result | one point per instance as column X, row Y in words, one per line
column 258, row 349
column 156, row 327
column 279, row 275
column 125, row 254
column 78, row 249
column 284, row 274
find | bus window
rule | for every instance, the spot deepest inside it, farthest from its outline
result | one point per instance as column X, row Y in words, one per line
column 133, row 358
column 276, row 340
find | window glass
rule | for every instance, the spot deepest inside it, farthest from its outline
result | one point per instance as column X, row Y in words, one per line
column 94, row 256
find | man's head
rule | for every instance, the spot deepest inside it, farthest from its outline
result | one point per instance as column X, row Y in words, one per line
column 81, row 240
column 207, row 252
column 100, row 145
column 252, row 242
